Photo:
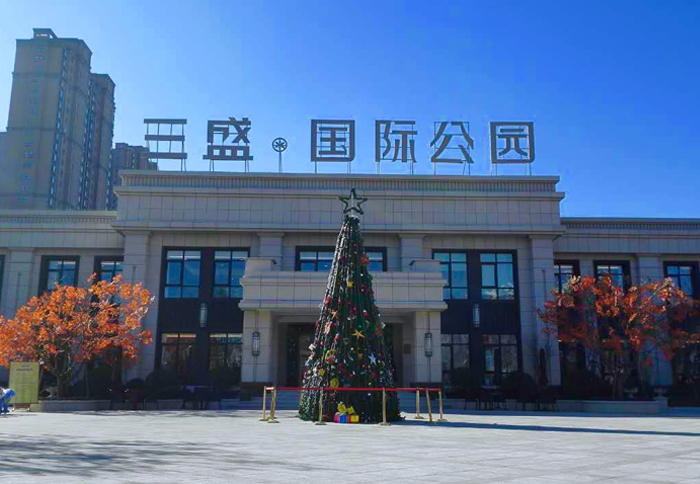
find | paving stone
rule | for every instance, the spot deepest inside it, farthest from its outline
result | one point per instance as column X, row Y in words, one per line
column 233, row 446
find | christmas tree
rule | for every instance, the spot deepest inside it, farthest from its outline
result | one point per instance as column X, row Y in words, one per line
column 349, row 349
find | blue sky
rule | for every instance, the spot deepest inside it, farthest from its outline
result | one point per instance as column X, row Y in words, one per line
column 612, row 86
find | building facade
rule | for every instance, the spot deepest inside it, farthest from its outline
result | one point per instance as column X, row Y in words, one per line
column 238, row 265
column 60, row 126
column 124, row 157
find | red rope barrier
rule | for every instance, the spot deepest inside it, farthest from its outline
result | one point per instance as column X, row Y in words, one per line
column 356, row 389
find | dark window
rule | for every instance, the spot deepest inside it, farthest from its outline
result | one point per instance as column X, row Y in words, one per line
column 179, row 353
column 108, row 269
column 454, row 270
column 59, row 270
column 320, row 259
column 497, row 281
column 563, row 272
column 229, row 266
column 500, row 357
column 455, row 354
column 182, row 274
column 683, row 275
column 225, row 351
column 619, row 272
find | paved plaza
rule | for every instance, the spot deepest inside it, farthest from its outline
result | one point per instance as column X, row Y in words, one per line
column 209, row 446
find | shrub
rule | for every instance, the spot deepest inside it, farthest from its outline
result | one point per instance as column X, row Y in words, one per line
column 519, row 385
column 466, row 381
column 162, row 383
column 584, row 384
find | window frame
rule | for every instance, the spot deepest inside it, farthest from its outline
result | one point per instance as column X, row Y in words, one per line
column 163, row 346
column 694, row 282
column 97, row 267
column 451, row 345
column 448, row 286
column 569, row 262
column 44, row 275
column 228, row 347
column 514, row 266
column 498, row 374
column 164, row 273
column 327, row 248
column 214, row 285
column 626, row 269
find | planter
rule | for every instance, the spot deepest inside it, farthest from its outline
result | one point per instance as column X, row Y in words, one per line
column 646, row 407
column 51, row 406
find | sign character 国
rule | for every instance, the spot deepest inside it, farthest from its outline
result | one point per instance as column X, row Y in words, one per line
column 332, row 140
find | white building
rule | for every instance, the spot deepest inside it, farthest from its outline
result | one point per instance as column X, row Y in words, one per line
column 466, row 259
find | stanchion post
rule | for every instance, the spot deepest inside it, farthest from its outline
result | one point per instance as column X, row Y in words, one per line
column 442, row 416
column 418, row 415
column 427, row 397
column 264, row 415
column 320, row 408
column 384, row 422
column 273, row 405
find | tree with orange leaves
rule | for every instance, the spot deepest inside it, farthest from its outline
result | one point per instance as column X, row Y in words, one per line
column 625, row 325
column 69, row 326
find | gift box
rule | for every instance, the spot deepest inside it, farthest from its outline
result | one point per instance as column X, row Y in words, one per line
column 336, row 417
column 354, row 419
column 343, row 418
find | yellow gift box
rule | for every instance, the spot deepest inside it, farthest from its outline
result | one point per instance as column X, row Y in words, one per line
column 354, row 419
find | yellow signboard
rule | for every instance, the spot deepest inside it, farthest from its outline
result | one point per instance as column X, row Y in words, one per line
column 24, row 380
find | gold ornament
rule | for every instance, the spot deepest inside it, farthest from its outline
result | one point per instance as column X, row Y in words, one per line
column 358, row 334
column 335, row 383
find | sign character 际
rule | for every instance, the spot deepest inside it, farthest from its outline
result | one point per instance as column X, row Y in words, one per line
column 399, row 135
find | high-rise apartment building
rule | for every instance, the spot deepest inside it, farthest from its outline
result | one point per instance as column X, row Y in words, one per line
column 59, row 129
column 124, row 157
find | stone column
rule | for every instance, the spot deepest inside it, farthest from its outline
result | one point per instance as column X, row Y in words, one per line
column 17, row 280
column 426, row 369
column 411, row 249
column 271, row 247
column 649, row 269
column 542, row 264
column 258, row 369
column 135, row 270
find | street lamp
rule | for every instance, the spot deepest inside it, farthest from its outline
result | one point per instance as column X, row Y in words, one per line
column 203, row 315
column 256, row 343
column 428, row 344
column 476, row 315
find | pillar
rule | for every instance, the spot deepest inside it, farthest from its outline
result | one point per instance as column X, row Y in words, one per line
column 258, row 369
column 426, row 369
column 650, row 268
column 271, row 247
column 135, row 270
column 542, row 283
column 17, row 280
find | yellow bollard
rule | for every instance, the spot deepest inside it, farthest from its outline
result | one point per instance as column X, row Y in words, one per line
column 264, row 417
column 320, row 408
column 442, row 416
column 273, row 405
column 418, row 415
column 384, row 422
column 427, row 397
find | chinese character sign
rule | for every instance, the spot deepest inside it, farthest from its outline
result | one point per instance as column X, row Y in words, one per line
column 395, row 140
column 228, row 140
column 332, row 140
column 452, row 143
column 512, row 142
